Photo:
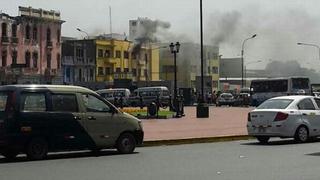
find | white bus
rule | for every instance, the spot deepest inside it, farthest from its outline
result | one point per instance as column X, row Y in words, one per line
column 263, row 89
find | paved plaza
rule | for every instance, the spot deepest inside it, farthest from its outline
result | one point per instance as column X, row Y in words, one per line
column 222, row 121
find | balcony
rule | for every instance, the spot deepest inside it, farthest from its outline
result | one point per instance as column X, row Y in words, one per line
column 14, row 40
column 49, row 44
column 122, row 75
column 67, row 61
column 4, row 40
column 52, row 72
column 29, row 71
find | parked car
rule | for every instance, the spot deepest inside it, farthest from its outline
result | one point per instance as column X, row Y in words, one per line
column 115, row 95
column 36, row 119
column 242, row 99
column 225, row 99
column 286, row 117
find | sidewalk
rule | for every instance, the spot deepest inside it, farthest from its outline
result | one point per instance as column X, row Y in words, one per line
column 222, row 121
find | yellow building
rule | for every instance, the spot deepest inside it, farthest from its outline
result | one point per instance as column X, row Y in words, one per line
column 122, row 59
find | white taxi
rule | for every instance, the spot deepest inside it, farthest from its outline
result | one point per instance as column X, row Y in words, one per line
column 295, row 117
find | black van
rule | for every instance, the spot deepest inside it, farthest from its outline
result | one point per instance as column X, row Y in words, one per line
column 37, row 119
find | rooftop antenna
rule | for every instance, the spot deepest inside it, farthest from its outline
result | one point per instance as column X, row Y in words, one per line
column 110, row 21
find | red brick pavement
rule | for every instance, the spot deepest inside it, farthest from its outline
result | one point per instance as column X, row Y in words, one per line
column 222, row 121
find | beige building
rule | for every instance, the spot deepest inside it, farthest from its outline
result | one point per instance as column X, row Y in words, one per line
column 189, row 65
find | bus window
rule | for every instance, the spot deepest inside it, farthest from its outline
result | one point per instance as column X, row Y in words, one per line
column 300, row 83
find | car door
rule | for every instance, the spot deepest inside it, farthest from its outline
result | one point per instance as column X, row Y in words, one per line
column 101, row 121
column 67, row 122
column 310, row 115
column 317, row 121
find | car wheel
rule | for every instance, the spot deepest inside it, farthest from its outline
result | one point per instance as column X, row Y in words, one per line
column 37, row 149
column 126, row 143
column 263, row 139
column 302, row 134
column 9, row 154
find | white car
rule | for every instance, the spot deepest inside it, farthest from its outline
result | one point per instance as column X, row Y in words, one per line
column 295, row 117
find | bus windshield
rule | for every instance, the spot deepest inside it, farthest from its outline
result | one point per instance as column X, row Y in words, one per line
column 300, row 83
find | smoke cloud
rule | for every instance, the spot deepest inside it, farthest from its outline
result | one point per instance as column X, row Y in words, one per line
column 147, row 32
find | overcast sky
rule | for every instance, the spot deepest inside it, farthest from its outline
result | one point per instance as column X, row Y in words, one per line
column 279, row 24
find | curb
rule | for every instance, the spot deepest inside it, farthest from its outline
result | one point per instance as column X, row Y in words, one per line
column 195, row 140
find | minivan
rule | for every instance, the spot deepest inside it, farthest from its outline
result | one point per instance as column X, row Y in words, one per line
column 144, row 96
column 114, row 95
column 37, row 119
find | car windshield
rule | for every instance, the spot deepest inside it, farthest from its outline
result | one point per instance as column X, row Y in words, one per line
column 275, row 104
column 226, row 96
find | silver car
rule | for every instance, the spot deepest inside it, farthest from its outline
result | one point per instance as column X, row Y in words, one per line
column 295, row 117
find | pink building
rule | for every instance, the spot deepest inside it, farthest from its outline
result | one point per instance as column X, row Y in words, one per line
column 30, row 48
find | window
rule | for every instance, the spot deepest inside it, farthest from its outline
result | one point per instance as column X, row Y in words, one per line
column 146, row 72
column 126, row 54
column 134, row 56
column 100, row 53
column 91, row 74
column 48, row 35
column 94, row 104
column 100, row 71
column 215, row 70
column 4, row 58
column 126, row 70
column 33, row 102
column 35, row 59
column 4, row 29
column 14, row 57
column 49, row 60
column 35, row 33
column 27, row 58
column 64, row 103
column 27, row 35
column 306, row 104
column 107, row 54
column 275, row 104
column 209, row 69
column 318, row 102
column 134, row 72
column 14, row 30
column 134, row 23
column 108, row 70
column 3, row 101
column 118, row 54
column 118, row 70
column 58, row 35
column 58, row 61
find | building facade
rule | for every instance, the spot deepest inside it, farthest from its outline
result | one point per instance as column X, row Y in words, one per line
column 123, row 60
column 189, row 65
column 79, row 61
column 109, row 60
column 30, row 47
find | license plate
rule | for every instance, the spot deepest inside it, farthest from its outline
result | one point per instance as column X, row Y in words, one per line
column 262, row 129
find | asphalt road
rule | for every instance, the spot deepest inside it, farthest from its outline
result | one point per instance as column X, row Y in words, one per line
column 241, row 160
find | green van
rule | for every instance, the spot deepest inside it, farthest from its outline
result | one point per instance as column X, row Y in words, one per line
column 37, row 119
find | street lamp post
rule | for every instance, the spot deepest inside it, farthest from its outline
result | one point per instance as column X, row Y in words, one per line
column 78, row 29
column 242, row 53
column 174, row 48
column 307, row 44
column 245, row 70
column 202, row 107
